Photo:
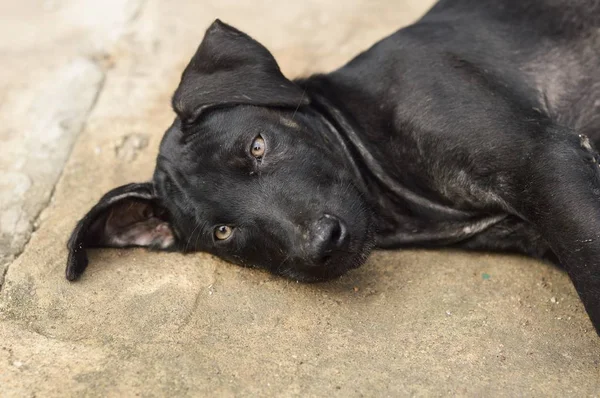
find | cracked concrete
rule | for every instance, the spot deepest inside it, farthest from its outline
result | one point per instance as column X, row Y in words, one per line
column 38, row 148
column 97, row 79
column 50, row 82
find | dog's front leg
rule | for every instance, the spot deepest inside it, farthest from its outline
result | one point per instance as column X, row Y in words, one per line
column 558, row 191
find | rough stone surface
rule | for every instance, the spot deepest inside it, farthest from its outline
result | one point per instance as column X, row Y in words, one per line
column 156, row 324
column 52, row 74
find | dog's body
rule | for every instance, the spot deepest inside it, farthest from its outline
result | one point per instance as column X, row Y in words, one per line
column 469, row 128
column 451, row 106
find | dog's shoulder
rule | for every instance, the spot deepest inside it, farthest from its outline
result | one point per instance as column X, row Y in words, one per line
column 560, row 19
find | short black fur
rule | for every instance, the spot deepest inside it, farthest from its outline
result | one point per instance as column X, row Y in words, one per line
column 467, row 129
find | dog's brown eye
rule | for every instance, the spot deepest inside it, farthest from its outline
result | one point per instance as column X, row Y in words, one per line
column 258, row 147
column 223, row 232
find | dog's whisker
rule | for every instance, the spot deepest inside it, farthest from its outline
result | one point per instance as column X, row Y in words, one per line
column 191, row 235
column 299, row 103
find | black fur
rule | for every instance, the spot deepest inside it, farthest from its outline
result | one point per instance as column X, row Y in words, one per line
column 468, row 128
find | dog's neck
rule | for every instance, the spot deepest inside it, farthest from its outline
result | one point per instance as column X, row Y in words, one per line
column 393, row 201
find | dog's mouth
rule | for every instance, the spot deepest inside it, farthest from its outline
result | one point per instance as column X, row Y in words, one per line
column 334, row 267
column 335, row 263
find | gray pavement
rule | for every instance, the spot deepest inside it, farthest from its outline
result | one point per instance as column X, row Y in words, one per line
column 85, row 89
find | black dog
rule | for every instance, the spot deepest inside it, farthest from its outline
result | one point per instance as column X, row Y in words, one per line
column 467, row 129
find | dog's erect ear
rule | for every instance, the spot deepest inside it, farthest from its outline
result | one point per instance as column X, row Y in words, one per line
column 231, row 68
column 129, row 215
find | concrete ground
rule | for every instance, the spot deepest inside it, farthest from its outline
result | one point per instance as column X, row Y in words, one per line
column 85, row 89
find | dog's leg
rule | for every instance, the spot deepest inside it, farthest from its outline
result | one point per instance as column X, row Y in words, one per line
column 511, row 235
column 558, row 192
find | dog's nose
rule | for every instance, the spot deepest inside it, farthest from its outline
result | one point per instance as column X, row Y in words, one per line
column 329, row 233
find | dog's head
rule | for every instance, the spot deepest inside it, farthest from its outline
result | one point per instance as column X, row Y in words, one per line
column 248, row 171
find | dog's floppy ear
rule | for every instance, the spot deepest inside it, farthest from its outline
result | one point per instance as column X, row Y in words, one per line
column 129, row 215
column 231, row 68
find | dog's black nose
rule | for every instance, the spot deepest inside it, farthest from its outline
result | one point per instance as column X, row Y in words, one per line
column 328, row 233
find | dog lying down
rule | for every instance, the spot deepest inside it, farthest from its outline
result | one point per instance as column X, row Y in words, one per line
column 472, row 128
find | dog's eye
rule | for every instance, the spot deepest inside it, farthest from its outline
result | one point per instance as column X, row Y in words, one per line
column 258, row 147
column 223, row 232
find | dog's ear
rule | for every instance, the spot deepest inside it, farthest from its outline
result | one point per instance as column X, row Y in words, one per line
column 129, row 215
column 231, row 68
